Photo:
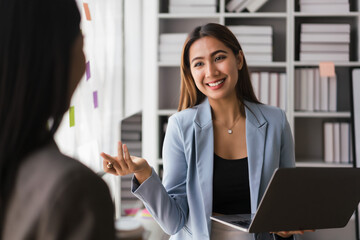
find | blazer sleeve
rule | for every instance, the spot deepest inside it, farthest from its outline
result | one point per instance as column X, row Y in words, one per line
column 167, row 203
column 81, row 208
column 287, row 153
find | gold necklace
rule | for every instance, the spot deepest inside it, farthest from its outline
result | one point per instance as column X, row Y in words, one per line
column 229, row 130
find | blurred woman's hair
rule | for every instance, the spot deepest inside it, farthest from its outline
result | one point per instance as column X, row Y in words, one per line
column 35, row 45
column 189, row 94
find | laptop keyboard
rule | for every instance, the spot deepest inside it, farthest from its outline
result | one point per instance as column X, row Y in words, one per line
column 244, row 223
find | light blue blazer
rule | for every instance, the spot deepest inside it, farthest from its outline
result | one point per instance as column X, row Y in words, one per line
column 182, row 203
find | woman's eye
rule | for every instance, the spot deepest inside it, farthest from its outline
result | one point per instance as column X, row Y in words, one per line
column 198, row 64
column 219, row 58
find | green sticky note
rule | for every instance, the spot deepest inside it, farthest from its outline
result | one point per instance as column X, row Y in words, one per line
column 72, row 116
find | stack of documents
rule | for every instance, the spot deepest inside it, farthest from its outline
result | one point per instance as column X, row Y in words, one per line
column 324, row 42
column 190, row 6
column 256, row 42
column 171, row 46
column 324, row 6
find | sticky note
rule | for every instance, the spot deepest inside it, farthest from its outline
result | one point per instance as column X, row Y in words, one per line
column 87, row 11
column 72, row 116
column 88, row 74
column 95, row 97
column 145, row 213
column 327, row 69
column 131, row 211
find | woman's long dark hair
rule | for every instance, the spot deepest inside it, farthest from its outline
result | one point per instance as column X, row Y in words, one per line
column 35, row 44
column 190, row 95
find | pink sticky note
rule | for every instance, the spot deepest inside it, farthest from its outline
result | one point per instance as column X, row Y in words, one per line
column 88, row 73
column 145, row 213
column 87, row 11
column 95, row 97
column 327, row 69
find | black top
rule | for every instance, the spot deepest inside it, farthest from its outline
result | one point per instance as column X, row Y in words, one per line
column 231, row 191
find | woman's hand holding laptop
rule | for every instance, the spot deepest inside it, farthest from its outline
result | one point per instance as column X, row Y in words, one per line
column 286, row 234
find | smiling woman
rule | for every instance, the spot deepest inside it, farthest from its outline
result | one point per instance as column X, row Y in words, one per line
column 220, row 150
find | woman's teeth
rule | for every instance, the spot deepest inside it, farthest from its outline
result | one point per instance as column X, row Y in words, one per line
column 216, row 83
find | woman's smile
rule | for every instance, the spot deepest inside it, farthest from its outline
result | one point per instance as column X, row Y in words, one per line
column 216, row 84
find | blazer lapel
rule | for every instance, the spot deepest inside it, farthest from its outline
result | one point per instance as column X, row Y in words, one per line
column 256, row 126
column 204, row 145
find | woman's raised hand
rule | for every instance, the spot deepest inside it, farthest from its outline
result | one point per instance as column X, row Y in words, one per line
column 124, row 164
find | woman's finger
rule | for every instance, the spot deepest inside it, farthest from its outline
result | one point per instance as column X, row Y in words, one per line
column 108, row 164
column 112, row 160
column 127, row 156
column 120, row 150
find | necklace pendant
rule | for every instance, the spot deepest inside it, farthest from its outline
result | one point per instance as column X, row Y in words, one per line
column 229, row 131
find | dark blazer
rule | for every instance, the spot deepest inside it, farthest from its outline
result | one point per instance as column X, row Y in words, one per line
column 57, row 197
column 184, row 205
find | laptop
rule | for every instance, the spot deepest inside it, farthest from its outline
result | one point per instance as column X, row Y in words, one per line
column 302, row 199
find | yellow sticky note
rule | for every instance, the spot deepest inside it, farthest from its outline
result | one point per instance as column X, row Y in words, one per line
column 327, row 69
column 72, row 116
column 87, row 11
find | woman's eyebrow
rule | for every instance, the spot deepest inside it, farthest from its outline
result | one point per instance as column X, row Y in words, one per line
column 212, row 54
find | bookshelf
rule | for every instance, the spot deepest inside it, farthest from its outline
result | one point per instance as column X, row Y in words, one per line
column 162, row 84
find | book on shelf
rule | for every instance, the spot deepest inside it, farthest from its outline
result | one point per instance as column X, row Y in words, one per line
column 325, row 37
column 250, row 30
column 324, row 93
column 274, row 89
column 324, row 47
column 304, row 88
column 255, row 5
column 192, row 2
column 232, row 5
column 325, row 8
column 336, row 142
column 345, row 142
column 237, row 5
column 332, row 93
column 310, row 89
column 170, row 57
column 170, row 48
column 328, row 142
column 173, row 38
column 297, row 104
column 324, row 56
column 258, row 57
column 264, row 87
column 317, row 91
column 256, row 48
column 253, row 39
column 323, row 1
column 282, row 91
column 255, row 80
column 192, row 9
column 325, row 28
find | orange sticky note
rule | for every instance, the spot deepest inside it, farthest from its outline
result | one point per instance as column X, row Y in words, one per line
column 327, row 69
column 87, row 11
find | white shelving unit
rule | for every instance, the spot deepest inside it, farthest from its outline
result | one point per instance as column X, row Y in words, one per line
column 162, row 84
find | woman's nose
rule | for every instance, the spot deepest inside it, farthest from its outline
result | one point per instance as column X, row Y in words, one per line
column 211, row 70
